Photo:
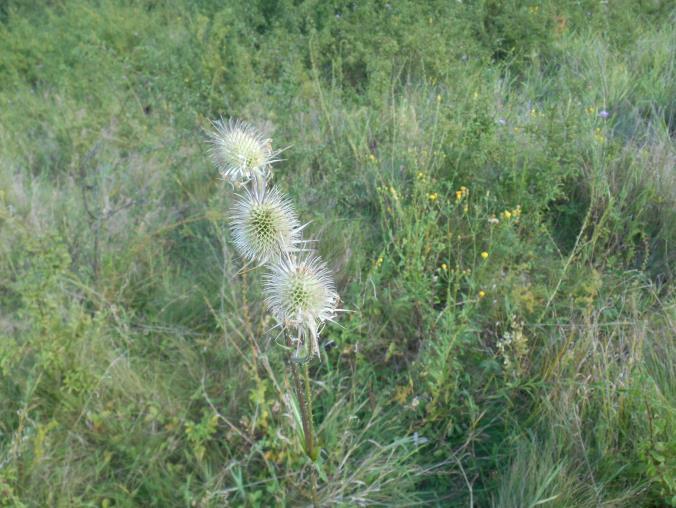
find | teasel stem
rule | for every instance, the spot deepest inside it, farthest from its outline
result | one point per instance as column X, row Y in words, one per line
column 304, row 396
column 260, row 184
column 309, row 436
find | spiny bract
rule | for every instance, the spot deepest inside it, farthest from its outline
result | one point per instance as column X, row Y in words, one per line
column 239, row 151
column 301, row 296
column 264, row 225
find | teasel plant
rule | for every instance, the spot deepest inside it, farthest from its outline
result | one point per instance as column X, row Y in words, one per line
column 298, row 286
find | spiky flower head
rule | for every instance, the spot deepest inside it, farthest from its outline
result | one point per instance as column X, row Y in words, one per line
column 301, row 296
column 264, row 225
column 239, row 151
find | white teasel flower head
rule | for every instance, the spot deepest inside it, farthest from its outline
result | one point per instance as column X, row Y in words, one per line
column 301, row 296
column 264, row 225
column 240, row 152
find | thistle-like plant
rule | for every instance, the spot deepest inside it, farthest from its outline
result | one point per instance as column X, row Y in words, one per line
column 299, row 289
column 264, row 225
column 240, row 152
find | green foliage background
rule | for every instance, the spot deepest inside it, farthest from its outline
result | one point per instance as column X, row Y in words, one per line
column 136, row 365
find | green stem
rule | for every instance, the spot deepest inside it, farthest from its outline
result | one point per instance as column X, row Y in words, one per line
column 308, row 427
column 304, row 395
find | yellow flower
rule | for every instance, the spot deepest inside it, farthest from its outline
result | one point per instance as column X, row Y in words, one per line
column 482, row 293
column 372, row 158
column 462, row 192
column 507, row 214
column 379, row 262
column 433, row 196
column 484, row 255
column 420, row 175
column 444, row 266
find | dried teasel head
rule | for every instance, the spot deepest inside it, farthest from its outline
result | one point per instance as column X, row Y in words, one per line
column 300, row 293
column 240, row 152
column 264, row 225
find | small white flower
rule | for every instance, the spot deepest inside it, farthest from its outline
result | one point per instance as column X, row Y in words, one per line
column 239, row 151
column 264, row 225
column 301, row 296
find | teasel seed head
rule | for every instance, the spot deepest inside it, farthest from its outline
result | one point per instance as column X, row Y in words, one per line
column 264, row 225
column 240, row 152
column 300, row 294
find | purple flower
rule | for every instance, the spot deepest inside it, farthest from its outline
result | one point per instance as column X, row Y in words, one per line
column 604, row 114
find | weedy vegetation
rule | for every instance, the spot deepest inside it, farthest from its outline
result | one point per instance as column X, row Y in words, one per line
column 490, row 183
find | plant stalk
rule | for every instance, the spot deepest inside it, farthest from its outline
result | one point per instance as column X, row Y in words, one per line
column 304, row 396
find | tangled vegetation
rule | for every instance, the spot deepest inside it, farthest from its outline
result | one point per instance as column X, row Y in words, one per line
column 492, row 183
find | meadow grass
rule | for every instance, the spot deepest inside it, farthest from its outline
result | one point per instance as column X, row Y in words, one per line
column 492, row 183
